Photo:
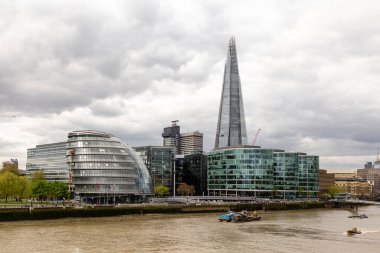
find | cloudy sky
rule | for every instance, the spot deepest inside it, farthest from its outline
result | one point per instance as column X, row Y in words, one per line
column 310, row 72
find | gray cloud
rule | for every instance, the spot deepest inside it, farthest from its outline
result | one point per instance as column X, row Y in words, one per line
column 309, row 71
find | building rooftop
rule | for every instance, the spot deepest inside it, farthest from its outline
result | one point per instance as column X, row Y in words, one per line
column 334, row 171
column 89, row 132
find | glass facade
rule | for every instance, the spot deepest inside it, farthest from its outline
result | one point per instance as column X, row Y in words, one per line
column 159, row 161
column 195, row 172
column 308, row 175
column 51, row 159
column 252, row 171
column 231, row 129
column 285, row 176
column 104, row 167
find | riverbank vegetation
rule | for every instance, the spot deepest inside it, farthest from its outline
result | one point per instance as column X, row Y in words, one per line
column 15, row 188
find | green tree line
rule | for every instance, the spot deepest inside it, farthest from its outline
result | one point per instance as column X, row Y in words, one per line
column 14, row 186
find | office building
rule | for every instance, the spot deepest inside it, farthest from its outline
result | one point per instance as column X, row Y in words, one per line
column 106, row 170
column 372, row 176
column 374, row 165
column 195, row 172
column 342, row 174
column 171, row 136
column 49, row 158
column 178, row 172
column 357, row 187
column 326, row 180
column 191, row 143
column 231, row 128
column 285, row 174
column 235, row 169
column 159, row 162
column 253, row 171
column 308, row 175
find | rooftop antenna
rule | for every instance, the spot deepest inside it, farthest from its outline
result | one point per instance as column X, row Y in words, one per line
column 174, row 122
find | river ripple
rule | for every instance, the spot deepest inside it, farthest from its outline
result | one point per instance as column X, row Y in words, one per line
column 283, row 232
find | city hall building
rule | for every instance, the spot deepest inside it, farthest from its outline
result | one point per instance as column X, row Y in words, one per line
column 99, row 167
column 106, row 169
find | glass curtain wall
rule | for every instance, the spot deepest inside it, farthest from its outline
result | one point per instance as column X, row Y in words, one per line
column 250, row 171
column 240, row 171
column 159, row 161
column 51, row 159
column 308, row 170
column 104, row 169
column 285, row 176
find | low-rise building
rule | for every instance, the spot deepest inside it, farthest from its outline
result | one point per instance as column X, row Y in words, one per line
column 357, row 187
column 343, row 174
column 372, row 176
column 326, row 180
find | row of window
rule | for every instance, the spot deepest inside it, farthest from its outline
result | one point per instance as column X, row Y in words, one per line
column 103, row 180
column 105, row 158
column 95, row 144
column 110, row 189
column 105, row 173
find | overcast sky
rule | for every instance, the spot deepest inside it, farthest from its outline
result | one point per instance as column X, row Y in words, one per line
column 310, row 72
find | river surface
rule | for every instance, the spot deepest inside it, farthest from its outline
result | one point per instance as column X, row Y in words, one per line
column 281, row 231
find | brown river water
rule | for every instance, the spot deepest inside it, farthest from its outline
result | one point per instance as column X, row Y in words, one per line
column 316, row 231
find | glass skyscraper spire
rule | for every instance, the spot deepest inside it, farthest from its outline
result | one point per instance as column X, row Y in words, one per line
column 231, row 129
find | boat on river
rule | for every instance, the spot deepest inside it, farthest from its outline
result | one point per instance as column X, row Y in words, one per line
column 360, row 216
column 353, row 231
column 228, row 217
column 357, row 215
column 245, row 216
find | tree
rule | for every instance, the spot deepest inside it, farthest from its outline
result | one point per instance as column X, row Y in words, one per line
column 59, row 190
column 161, row 191
column 38, row 175
column 9, row 185
column 334, row 190
column 301, row 192
column 10, row 167
column 274, row 192
column 185, row 189
column 40, row 189
column 24, row 189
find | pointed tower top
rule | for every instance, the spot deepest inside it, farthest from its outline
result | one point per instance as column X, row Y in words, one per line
column 231, row 129
column 232, row 41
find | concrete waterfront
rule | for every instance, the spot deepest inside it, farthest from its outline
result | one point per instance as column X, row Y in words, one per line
column 14, row 214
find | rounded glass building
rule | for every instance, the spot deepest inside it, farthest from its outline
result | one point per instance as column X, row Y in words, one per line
column 105, row 170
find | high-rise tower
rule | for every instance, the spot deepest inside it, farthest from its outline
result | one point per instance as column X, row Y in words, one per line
column 231, row 129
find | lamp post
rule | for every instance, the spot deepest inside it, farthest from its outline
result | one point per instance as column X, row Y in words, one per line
column 114, row 189
column 174, row 175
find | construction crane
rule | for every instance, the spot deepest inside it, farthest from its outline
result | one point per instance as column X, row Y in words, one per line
column 256, row 135
column 71, row 154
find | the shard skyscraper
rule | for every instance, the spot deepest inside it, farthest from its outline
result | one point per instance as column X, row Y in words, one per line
column 231, row 129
